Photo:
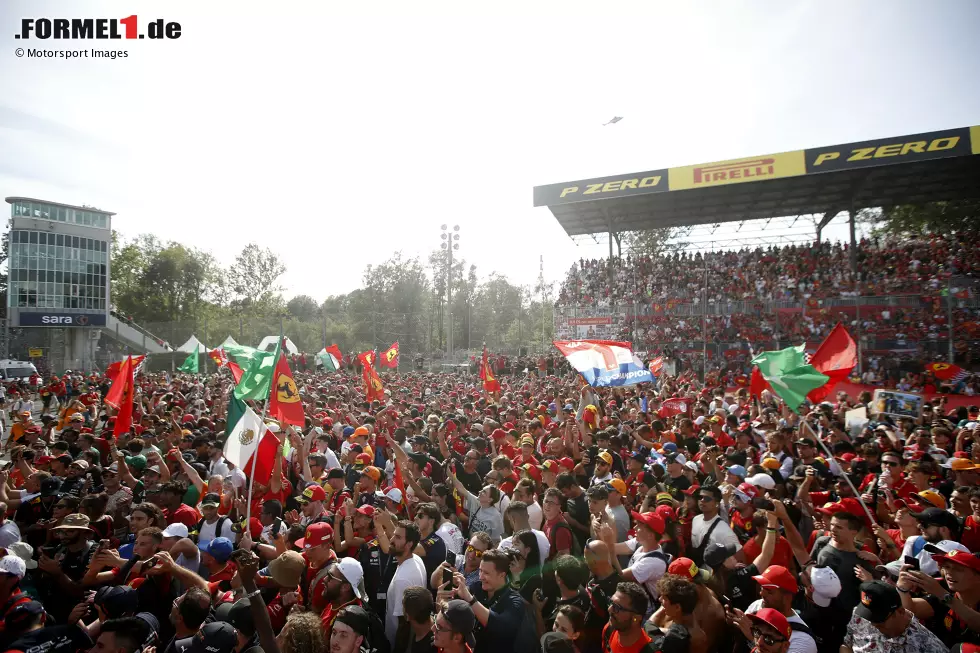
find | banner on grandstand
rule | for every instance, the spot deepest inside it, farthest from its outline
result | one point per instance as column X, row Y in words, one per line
column 604, row 363
column 885, row 151
column 640, row 183
column 738, row 171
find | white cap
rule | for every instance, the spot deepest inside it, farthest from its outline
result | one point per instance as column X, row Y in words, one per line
column 680, row 458
column 826, row 585
column 13, row 565
column 691, row 465
column 25, row 552
column 762, row 480
column 352, row 571
column 272, row 426
column 176, row 530
column 394, row 494
column 946, row 546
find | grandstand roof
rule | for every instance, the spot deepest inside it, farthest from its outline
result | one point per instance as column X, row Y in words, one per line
column 913, row 169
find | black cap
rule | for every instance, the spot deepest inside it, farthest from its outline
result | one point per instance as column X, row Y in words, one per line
column 708, row 441
column 938, row 517
column 238, row 614
column 556, row 642
column 419, row 459
column 23, row 615
column 717, row 553
column 356, row 617
column 336, row 472
column 50, row 487
column 807, row 442
column 460, row 616
column 878, row 601
column 211, row 498
column 116, row 600
column 215, row 637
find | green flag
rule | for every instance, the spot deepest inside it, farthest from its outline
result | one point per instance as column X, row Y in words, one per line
column 328, row 361
column 257, row 377
column 190, row 364
column 236, row 409
column 790, row 376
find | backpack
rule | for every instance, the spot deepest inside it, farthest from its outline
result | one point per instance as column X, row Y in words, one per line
column 196, row 532
column 552, row 539
column 376, row 634
column 660, row 555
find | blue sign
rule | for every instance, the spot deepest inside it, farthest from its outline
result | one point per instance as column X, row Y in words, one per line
column 62, row 320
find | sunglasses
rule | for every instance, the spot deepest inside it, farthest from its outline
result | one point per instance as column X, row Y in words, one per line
column 768, row 640
column 890, row 463
column 476, row 552
column 615, row 608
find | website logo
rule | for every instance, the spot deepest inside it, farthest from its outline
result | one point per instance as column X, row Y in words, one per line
column 78, row 29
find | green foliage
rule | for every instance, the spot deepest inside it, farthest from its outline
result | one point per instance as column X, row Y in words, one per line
column 937, row 218
column 176, row 291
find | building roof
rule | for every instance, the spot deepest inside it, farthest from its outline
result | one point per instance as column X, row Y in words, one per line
column 11, row 200
column 914, row 169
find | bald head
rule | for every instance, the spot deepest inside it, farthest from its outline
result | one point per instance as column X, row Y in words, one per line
column 597, row 557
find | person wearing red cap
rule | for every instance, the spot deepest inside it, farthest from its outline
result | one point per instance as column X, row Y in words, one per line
column 648, row 562
column 771, row 631
column 317, row 547
column 958, row 608
column 778, row 586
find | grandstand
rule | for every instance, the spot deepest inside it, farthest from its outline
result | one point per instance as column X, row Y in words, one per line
column 911, row 299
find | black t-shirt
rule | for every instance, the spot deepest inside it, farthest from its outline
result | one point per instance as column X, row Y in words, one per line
column 678, row 484
column 424, row 645
column 378, row 572
column 53, row 639
column 831, row 624
column 947, row 624
column 740, row 586
column 578, row 508
column 472, row 482
column 843, row 563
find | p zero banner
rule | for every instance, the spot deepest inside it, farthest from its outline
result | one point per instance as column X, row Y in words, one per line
column 641, row 183
column 885, row 151
column 738, row 171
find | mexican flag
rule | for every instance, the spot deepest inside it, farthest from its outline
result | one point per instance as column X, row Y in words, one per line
column 789, row 374
column 249, row 438
column 328, row 361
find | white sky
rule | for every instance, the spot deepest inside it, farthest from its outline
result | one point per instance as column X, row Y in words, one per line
column 335, row 133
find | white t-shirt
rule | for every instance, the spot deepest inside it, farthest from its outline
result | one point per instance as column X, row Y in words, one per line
column 409, row 574
column 647, row 569
column 722, row 533
column 207, row 532
column 544, row 546
column 535, row 516
column 799, row 642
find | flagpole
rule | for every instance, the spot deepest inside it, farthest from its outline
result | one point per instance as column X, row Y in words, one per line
column 847, row 478
column 265, row 412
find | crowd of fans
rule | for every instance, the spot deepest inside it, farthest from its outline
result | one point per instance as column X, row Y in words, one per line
column 888, row 266
column 552, row 517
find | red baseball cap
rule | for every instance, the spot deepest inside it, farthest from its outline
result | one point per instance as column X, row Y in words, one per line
column 688, row 569
column 651, row 519
column 533, row 471
column 312, row 493
column 498, row 434
column 960, row 558
column 567, row 463
column 779, row 577
column 773, row 618
column 666, row 512
column 316, row 534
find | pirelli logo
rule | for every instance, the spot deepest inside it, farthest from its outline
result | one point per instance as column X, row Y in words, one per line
column 737, row 171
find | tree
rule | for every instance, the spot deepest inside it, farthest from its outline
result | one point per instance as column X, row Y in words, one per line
column 303, row 307
column 651, row 242
column 252, row 280
column 937, row 218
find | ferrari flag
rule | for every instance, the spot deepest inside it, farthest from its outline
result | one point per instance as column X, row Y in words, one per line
column 372, row 382
column 490, row 382
column 390, row 357
column 284, row 400
column 946, row 371
column 219, row 357
column 604, row 363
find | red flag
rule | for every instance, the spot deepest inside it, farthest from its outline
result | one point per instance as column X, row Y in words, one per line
column 758, row 383
column 335, row 350
column 946, row 371
column 390, row 357
column 656, row 365
column 113, row 370
column 673, row 406
column 400, row 484
column 372, row 383
column 236, row 371
column 836, row 357
column 284, row 400
column 490, row 382
column 120, row 397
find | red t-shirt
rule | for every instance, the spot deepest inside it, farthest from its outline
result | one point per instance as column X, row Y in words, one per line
column 616, row 647
column 971, row 534
column 330, row 613
column 562, row 539
column 783, row 556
